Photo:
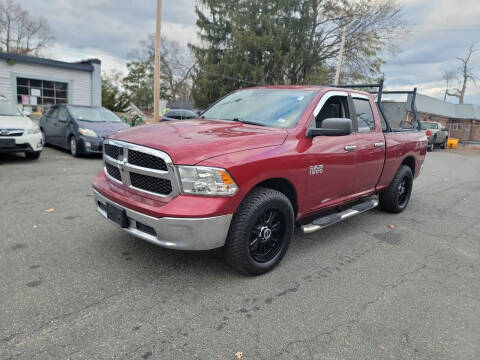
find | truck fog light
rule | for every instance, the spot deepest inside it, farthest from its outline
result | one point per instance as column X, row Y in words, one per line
column 202, row 180
column 88, row 145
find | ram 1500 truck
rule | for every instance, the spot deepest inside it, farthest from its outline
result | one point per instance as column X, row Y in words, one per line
column 252, row 166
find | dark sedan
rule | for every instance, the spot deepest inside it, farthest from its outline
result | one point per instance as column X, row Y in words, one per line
column 80, row 129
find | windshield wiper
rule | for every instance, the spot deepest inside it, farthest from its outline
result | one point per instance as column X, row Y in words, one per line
column 247, row 122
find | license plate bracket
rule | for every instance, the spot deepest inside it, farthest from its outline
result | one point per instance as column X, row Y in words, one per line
column 117, row 215
column 7, row 143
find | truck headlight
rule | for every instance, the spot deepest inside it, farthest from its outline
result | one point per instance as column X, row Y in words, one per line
column 201, row 180
column 33, row 130
column 87, row 132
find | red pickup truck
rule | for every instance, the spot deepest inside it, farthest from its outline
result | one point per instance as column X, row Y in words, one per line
column 252, row 166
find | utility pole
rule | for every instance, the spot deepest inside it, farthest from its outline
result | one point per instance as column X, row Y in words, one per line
column 340, row 55
column 156, row 76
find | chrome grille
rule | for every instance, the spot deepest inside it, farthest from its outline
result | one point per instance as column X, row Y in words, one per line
column 113, row 171
column 151, row 183
column 113, row 151
column 146, row 160
column 141, row 168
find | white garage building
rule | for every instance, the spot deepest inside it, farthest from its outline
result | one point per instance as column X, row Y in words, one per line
column 36, row 82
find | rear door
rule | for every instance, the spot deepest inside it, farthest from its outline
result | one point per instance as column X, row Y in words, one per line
column 331, row 159
column 370, row 145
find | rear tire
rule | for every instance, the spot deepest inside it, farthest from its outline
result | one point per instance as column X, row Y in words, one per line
column 396, row 197
column 444, row 144
column 260, row 232
column 33, row 155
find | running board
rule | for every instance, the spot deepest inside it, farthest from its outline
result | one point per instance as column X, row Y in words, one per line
column 325, row 221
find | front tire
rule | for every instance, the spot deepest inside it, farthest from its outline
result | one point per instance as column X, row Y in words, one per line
column 32, row 155
column 73, row 145
column 260, row 232
column 396, row 197
column 44, row 137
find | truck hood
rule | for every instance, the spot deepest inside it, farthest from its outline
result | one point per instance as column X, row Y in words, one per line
column 190, row 141
column 15, row 122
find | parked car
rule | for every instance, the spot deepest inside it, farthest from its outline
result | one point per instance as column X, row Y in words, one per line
column 258, row 162
column 18, row 133
column 436, row 134
column 179, row 114
column 80, row 129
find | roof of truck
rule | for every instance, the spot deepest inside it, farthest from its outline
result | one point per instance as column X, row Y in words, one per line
column 306, row 88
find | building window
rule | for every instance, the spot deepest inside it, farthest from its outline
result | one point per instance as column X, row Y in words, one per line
column 41, row 92
column 456, row 126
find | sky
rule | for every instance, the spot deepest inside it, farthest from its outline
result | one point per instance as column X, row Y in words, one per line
column 439, row 31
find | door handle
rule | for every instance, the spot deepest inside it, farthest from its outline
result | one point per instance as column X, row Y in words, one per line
column 380, row 144
column 350, row 147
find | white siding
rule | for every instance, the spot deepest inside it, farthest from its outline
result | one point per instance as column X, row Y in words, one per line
column 80, row 82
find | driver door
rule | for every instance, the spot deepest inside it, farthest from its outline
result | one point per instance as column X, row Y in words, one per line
column 331, row 159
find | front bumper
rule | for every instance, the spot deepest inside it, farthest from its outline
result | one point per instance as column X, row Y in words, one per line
column 24, row 143
column 90, row 145
column 174, row 233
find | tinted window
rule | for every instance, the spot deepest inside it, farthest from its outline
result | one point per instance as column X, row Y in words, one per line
column 62, row 114
column 334, row 107
column 188, row 115
column 280, row 108
column 426, row 125
column 173, row 114
column 53, row 112
column 365, row 119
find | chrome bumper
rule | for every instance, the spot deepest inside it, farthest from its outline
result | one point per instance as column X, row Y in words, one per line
column 174, row 233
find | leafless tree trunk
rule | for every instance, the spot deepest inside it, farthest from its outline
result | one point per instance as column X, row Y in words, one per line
column 465, row 75
column 21, row 33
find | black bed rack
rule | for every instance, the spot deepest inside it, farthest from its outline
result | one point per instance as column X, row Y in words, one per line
column 379, row 92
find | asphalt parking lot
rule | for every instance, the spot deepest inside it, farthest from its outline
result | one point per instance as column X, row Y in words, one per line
column 378, row 286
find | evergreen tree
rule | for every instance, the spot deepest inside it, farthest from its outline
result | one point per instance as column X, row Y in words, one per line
column 248, row 42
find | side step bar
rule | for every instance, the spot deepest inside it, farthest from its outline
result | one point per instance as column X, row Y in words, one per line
column 322, row 222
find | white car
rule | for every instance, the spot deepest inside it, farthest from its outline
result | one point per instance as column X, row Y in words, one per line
column 18, row 133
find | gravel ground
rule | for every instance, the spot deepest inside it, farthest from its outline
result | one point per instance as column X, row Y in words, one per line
column 73, row 286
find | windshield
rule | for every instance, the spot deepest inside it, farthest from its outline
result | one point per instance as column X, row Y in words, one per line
column 96, row 114
column 281, row 108
column 8, row 109
column 426, row 126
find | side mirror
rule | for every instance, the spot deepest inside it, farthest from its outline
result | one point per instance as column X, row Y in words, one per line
column 332, row 127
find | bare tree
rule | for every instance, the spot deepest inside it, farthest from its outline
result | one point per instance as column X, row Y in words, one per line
column 21, row 33
column 465, row 75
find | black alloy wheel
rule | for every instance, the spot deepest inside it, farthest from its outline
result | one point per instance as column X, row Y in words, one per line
column 404, row 190
column 395, row 197
column 266, row 236
column 260, row 231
